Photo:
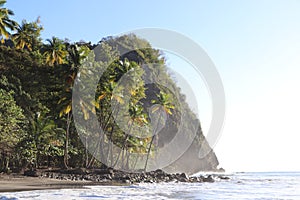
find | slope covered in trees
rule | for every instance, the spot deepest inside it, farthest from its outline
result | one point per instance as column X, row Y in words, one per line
column 37, row 117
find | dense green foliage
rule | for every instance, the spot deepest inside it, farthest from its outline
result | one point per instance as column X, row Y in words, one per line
column 11, row 117
column 36, row 116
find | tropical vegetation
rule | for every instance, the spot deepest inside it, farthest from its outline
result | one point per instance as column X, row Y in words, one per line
column 37, row 126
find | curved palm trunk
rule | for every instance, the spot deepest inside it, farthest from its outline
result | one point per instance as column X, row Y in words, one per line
column 123, row 147
column 151, row 142
column 98, row 146
column 136, row 161
column 148, row 153
column 101, row 139
column 101, row 136
column 110, row 147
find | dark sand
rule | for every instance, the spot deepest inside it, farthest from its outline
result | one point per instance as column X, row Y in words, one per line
column 57, row 180
column 10, row 183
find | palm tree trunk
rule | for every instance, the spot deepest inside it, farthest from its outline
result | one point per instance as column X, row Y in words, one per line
column 127, row 161
column 110, row 148
column 151, row 142
column 37, row 156
column 95, row 151
column 7, row 164
column 135, row 162
column 66, row 153
column 86, row 153
column 123, row 146
column 148, row 153
column 100, row 140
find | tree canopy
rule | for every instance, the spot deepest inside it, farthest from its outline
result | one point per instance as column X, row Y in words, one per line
column 37, row 81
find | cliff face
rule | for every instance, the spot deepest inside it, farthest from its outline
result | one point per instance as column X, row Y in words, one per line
column 198, row 156
column 193, row 160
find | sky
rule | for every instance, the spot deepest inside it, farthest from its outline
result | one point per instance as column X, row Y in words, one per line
column 255, row 46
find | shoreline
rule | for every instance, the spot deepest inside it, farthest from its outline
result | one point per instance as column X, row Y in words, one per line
column 79, row 178
column 17, row 184
column 24, row 183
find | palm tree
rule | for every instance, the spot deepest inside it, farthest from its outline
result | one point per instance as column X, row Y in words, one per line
column 27, row 35
column 163, row 99
column 67, row 110
column 5, row 22
column 76, row 54
column 55, row 52
column 66, row 103
column 44, row 134
column 137, row 115
column 118, row 93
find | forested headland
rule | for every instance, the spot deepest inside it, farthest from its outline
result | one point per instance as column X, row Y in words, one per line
column 37, row 77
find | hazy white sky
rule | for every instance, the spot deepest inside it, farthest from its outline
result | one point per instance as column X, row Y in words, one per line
column 255, row 46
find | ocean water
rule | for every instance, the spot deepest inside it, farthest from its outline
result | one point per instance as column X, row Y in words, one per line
column 263, row 186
